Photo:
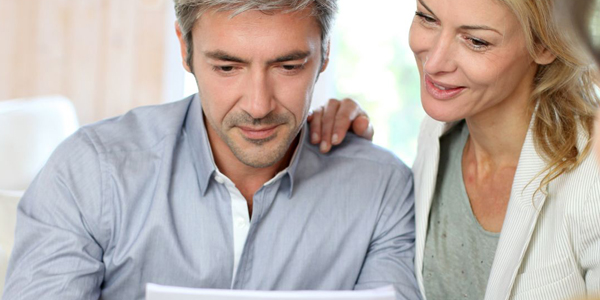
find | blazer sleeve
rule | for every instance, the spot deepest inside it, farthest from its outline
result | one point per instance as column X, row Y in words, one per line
column 589, row 245
column 58, row 252
column 390, row 258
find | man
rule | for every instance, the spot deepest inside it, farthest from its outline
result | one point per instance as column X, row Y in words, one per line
column 220, row 190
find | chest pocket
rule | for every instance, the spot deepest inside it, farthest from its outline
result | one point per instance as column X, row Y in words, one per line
column 557, row 280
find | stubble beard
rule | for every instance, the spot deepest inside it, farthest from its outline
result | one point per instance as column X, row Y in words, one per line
column 260, row 156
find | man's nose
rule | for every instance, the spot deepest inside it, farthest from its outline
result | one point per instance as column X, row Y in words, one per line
column 441, row 56
column 259, row 99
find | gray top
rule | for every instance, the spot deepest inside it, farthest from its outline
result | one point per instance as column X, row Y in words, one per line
column 458, row 251
column 133, row 200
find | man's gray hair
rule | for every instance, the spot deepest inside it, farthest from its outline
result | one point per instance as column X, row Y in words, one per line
column 188, row 11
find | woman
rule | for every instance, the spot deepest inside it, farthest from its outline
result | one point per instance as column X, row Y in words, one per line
column 507, row 197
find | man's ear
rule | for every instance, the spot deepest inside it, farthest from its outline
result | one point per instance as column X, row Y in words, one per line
column 183, row 47
column 544, row 56
column 326, row 57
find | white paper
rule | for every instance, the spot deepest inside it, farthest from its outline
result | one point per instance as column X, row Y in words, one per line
column 161, row 292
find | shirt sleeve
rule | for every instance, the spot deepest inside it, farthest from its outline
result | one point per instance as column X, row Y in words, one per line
column 390, row 258
column 58, row 252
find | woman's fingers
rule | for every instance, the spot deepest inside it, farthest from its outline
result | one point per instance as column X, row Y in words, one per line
column 351, row 116
column 327, row 123
column 362, row 127
column 330, row 124
column 315, row 119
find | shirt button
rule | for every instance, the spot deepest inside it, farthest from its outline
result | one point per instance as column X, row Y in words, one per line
column 240, row 222
column 219, row 179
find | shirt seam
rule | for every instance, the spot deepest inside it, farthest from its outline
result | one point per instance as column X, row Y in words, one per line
column 105, row 235
column 111, row 151
column 395, row 164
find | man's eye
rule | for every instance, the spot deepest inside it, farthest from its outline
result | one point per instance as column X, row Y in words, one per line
column 291, row 67
column 224, row 68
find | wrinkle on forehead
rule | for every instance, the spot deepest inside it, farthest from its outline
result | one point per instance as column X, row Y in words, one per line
column 490, row 13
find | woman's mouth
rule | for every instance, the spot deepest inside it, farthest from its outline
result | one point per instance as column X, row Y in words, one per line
column 441, row 91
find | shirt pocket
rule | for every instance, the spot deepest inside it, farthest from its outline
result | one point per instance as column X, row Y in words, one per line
column 556, row 280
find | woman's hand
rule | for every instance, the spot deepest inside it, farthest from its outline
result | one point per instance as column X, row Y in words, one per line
column 329, row 124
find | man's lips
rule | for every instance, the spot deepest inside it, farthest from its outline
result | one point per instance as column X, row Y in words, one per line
column 258, row 133
column 440, row 90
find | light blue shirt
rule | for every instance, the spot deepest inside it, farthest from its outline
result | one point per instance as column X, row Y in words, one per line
column 133, row 200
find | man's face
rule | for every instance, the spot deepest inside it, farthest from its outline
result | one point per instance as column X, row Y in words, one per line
column 256, row 73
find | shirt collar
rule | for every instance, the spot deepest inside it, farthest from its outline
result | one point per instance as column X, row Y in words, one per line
column 195, row 131
column 292, row 170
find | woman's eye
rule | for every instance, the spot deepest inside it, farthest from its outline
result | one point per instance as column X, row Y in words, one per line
column 477, row 44
column 425, row 18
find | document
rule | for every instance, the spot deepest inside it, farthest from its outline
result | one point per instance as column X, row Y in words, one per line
column 161, row 292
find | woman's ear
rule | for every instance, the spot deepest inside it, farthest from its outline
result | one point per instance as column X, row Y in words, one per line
column 544, row 56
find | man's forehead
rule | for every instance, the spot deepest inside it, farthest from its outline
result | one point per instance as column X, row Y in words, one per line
column 285, row 56
column 255, row 35
column 303, row 19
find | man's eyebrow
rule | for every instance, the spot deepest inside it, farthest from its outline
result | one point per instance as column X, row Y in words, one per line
column 479, row 27
column 296, row 55
column 427, row 7
column 224, row 56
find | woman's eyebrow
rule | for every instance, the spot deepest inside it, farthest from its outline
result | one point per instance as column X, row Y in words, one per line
column 479, row 27
column 427, row 8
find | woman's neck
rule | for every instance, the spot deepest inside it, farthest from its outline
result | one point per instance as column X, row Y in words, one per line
column 496, row 136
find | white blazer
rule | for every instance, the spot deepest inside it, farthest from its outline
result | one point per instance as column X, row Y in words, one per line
column 549, row 247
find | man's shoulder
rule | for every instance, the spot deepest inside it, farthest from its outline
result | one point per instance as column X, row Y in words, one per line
column 355, row 150
column 139, row 129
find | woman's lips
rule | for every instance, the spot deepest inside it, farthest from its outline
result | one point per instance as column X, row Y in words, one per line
column 441, row 91
column 258, row 133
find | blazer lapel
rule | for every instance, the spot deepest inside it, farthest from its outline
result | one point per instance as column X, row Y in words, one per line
column 425, row 169
column 521, row 216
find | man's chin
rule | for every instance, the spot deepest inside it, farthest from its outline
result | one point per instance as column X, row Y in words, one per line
column 261, row 142
column 259, row 161
column 260, row 153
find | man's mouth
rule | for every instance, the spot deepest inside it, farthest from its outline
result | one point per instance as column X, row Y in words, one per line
column 258, row 133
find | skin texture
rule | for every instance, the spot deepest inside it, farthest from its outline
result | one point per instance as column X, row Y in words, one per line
column 492, row 65
column 256, row 73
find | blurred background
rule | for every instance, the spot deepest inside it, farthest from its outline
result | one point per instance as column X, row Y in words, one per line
column 108, row 56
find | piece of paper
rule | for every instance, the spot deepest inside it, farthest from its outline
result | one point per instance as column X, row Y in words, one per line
column 161, row 292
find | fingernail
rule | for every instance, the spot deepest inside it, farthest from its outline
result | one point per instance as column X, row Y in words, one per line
column 323, row 146
column 315, row 138
column 334, row 138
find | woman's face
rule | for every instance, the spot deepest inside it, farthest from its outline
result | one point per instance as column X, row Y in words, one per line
column 472, row 59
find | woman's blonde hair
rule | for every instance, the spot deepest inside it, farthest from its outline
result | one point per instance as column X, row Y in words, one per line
column 564, row 98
